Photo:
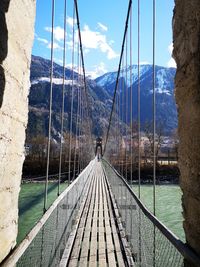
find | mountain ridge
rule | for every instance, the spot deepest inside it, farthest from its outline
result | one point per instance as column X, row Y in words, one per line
column 100, row 97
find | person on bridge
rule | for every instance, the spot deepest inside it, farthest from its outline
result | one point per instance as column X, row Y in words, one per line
column 98, row 147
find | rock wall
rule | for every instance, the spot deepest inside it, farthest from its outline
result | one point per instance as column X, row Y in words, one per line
column 16, row 37
column 186, row 33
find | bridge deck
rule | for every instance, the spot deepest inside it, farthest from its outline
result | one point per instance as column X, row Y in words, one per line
column 96, row 241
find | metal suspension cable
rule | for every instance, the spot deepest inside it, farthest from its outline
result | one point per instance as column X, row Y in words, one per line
column 131, row 118
column 154, row 111
column 123, row 105
column 76, row 111
column 139, row 108
column 80, row 125
column 126, row 111
column 50, row 108
column 118, row 127
column 131, row 100
column 118, row 73
column 63, row 97
column 72, row 99
column 84, row 75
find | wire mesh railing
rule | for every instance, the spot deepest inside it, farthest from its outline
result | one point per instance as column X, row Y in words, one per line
column 152, row 244
column 46, row 242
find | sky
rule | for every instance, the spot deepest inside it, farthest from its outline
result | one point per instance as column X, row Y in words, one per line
column 102, row 27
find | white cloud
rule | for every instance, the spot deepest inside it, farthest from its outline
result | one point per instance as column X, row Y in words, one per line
column 42, row 40
column 102, row 27
column 144, row 63
column 70, row 21
column 90, row 39
column 58, row 33
column 95, row 40
column 170, row 48
column 97, row 71
column 86, row 51
column 56, row 46
column 171, row 63
column 111, row 42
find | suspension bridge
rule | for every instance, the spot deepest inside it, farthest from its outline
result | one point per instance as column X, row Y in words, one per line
column 98, row 220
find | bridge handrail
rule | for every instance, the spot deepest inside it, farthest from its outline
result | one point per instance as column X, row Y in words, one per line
column 19, row 250
column 186, row 251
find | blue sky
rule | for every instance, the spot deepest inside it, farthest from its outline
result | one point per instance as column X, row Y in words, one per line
column 102, row 26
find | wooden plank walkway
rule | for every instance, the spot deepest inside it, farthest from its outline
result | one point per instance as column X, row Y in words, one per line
column 96, row 241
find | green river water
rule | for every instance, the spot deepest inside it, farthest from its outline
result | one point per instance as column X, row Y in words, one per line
column 31, row 203
column 168, row 205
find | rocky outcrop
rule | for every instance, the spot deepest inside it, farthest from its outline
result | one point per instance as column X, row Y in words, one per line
column 186, row 30
column 16, row 37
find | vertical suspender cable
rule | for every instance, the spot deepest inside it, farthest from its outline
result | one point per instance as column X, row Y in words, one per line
column 72, row 103
column 154, row 133
column 139, row 138
column 80, row 127
column 154, row 112
column 120, row 125
column 119, row 135
column 50, row 109
column 154, row 130
column 131, row 120
column 76, row 137
column 126, row 107
column 123, row 111
column 63, row 98
column 139, row 108
column 131, row 101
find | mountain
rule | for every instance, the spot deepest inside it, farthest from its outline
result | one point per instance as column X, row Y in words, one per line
column 166, row 111
column 100, row 97
column 99, row 100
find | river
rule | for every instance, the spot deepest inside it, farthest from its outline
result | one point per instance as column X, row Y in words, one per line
column 168, row 205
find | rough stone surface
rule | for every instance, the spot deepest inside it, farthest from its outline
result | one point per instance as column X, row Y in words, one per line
column 16, row 37
column 186, row 33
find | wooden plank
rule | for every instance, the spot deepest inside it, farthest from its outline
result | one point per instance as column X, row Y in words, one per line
column 86, row 239
column 109, row 241
column 102, row 244
column 78, row 241
column 94, row 230
column 117, row 246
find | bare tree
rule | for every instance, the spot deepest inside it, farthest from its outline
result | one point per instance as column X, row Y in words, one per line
column 175, row 142
column 149, row 144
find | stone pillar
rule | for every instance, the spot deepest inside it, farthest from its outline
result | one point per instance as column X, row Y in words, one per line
column 186, row 34
column 16, row 37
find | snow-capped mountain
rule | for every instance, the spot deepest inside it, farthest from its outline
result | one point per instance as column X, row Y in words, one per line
column 101, row 94
column 164, row 78
column 165, row 101
column 100, row 100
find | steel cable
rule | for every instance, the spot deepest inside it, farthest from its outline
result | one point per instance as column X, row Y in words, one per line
column 154, row 112
column 118, row 74
column 63, row 97
column 50, row 107
column 126, row 107
column 76, row 112
column 72, row 98
column 131, row 101
column 84, row 75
